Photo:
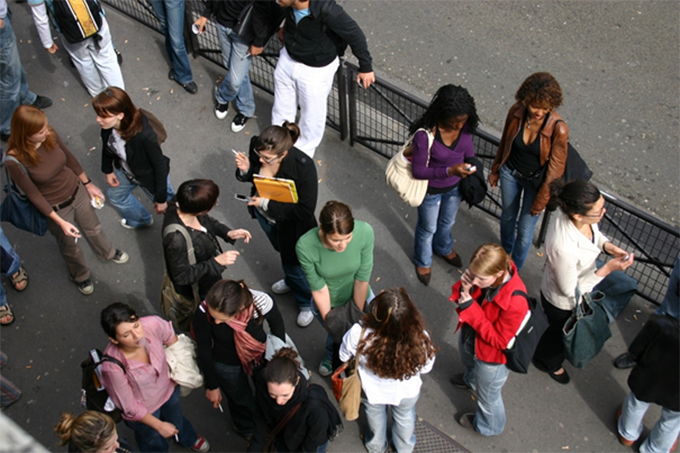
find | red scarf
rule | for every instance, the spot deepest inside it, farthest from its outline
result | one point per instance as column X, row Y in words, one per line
column 248, row 348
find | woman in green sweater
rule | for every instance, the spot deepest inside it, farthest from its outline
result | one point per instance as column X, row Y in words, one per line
column 337, row 259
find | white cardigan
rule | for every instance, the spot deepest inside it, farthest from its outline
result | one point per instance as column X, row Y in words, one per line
column 570, row 261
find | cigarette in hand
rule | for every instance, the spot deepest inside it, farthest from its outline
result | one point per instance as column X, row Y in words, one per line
column 220, row 406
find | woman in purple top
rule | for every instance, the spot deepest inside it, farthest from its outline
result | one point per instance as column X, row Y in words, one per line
column 451, row 118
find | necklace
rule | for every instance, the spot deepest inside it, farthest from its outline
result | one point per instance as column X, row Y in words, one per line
column 528, row 123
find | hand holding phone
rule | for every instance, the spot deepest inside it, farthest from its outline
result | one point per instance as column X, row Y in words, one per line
column 240, row 197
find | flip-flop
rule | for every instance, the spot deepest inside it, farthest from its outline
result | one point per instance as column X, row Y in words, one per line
column 5, row 311
column 21, row 276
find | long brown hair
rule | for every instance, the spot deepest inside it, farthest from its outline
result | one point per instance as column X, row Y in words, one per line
column 113, row 101
column 398, row 346
column 27, row 121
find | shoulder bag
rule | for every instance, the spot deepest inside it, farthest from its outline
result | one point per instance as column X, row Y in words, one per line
column 17, row 209
column 586, row 331
column 176, row 307
column 399, row 173
column 521, row 348
column 182, row 365
column 347, row 390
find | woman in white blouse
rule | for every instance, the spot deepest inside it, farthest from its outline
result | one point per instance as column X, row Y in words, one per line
column 573, row 244
column 394, row 350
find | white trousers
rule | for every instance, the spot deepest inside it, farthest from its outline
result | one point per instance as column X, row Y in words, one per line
column 96, row 61
column 296, row 83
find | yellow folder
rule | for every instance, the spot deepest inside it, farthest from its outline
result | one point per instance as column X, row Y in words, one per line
column 277, row 189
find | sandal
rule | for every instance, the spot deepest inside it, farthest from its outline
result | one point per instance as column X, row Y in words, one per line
column 6, row 311
column 18, row 278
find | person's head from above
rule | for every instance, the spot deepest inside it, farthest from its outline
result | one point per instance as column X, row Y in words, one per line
column 115, row 110
column 282, row 375
column 197, row 196
column 274, row 142
column 540, row 93
column 580, row 200
column 29, row 130
column 336, row 225
column 489, row 265
column 89, row 432
column 227, row 298
column 123, row 327
column 451, row 108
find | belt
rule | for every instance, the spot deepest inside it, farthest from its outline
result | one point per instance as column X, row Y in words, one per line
column 68, row 202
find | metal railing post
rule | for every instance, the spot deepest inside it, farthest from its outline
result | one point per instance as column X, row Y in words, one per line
column 352, row 100
column 544, row 228
column 342, row 99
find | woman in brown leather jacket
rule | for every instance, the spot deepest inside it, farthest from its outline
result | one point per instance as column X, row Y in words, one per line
column 521, row 158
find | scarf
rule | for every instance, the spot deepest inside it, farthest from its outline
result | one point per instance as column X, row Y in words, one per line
column 248, row 348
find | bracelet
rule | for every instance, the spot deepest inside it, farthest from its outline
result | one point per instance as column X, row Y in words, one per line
column 87, row 182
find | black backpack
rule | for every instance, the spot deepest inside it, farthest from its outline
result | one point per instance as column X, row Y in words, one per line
column 93, row 393
column 520, row 354
column 68, row 22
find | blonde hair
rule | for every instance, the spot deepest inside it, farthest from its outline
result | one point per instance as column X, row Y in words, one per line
column 489, row 259
column 88, row 432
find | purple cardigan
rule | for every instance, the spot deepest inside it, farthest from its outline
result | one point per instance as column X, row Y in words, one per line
column 441, row 158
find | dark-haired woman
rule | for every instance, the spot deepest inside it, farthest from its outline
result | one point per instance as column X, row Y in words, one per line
column 450, row 120
column 273, row 154
column 132, row 157
column 521, row 156
column 283, row 391
column 231, row 344
column 142, row 389
column 572, row 246
column 337, row 258
column 394, row 351
column 90, row 432
column 58, row 187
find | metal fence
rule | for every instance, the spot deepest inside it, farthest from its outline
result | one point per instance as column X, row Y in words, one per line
column 379, row 118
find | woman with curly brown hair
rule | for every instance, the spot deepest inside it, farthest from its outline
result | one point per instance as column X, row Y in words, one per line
column 394, row 349
column 522, row 158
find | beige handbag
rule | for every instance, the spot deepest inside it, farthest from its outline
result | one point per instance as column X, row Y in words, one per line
column 347, row 390
column 399, row 173
column 181, row 358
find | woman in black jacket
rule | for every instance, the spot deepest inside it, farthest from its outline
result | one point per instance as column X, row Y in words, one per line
column 273, row 154
column 131, row 141
column 291, row 413
column 231, row 344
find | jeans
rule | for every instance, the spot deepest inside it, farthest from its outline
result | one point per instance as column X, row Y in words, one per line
column 671, row 303
column 13, row 85
column 236, row 84
column 618, row 288
column 9, row 263
column 487, row 380
column 516, row 233
column 170, row 14
column 294, row 275
column 149, row 440
column 130, row 208
column 403, row 425
column 662, row 436
column 234, row 383
column 436, row 216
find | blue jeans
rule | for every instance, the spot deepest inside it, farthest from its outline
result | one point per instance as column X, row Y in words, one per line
column 436, row 216
column 13, row 85
column 9, row 263
column 662, row 436
column 403, row 425
column 517, row 233
column 234, row 383
column 130, row 208
column 618, row 288
column 170, row 14
column 671, row 303
column 236, row 84
column 487, row 380
column 149, row 440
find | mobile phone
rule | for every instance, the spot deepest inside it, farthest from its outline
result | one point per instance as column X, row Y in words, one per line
column 471, row 168
column 240, row 197
column 625, row 258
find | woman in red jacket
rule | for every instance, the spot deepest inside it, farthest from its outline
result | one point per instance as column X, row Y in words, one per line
column 490, row 314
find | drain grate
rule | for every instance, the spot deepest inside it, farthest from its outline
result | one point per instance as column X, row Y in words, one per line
column 431, row 440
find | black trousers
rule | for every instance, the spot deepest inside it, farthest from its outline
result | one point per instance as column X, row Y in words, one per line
column 550, row 350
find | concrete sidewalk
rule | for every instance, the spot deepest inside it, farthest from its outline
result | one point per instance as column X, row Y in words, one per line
column 56, row 325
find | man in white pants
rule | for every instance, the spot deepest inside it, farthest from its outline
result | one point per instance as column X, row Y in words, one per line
column 307, row 64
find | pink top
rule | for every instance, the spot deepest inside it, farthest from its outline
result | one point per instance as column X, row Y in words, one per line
column 145, row 387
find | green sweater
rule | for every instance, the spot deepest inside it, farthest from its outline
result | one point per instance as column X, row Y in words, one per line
column 324, row 267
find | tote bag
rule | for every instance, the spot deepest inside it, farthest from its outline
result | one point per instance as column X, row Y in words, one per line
column 399, row 173
column 586, row 331
column 17, row 209
column 347, row 390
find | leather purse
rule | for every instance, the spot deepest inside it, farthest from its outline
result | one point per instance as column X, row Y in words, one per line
column 399, row 173
column 586, row 331
column 18, row 210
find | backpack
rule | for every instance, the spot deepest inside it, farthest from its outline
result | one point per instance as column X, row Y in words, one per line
column 340, row 44
column 77, row 20
column 521, row 348
column 93, row 393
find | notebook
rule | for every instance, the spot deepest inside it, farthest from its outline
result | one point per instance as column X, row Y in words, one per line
column 277, row 189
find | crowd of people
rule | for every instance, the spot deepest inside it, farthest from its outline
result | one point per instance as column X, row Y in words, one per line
column 326, row 261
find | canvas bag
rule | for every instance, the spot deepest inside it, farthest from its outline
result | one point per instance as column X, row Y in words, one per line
column 399, row 173
column 183, row 368
column 586, row 331
column 347, row 390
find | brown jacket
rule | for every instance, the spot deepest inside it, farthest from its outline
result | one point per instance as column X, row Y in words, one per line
column 552, row 138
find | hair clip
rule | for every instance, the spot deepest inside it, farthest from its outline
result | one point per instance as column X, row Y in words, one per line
column 241, row 283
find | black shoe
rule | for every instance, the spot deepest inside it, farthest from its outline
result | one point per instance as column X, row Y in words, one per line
column 4, row 137
column 85, row 287
column 42, row 102
column 455, row 261
column 423, row 278
column 189, row 87
column 467, row 421
column 560, row 378
column 459, row 382
column 624, row 361
column 119, row 56
column 221, row 111
column 239, row 122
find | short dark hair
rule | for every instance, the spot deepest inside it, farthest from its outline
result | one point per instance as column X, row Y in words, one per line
column 336, row 217
column 449, row 101
column 197, row 195
column 575, row 197
column 115, row 314
column 540, row 90
column 283, row 367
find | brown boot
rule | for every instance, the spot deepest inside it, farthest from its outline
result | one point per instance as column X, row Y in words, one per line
column 423, row 274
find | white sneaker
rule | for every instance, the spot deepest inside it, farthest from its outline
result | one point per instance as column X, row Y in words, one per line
column 280, row 287
column 326, row 367
column 305, row 318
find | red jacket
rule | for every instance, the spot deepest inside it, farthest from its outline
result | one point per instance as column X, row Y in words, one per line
column 497, row 321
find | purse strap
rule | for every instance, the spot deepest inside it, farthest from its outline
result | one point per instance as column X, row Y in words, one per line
column 271, row 435
column 175, row 227
column 9, row 179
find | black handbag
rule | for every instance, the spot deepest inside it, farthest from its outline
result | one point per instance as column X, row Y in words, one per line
column 586, row 331
column 17, row 209
column 244, row 25
column 520, row 352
